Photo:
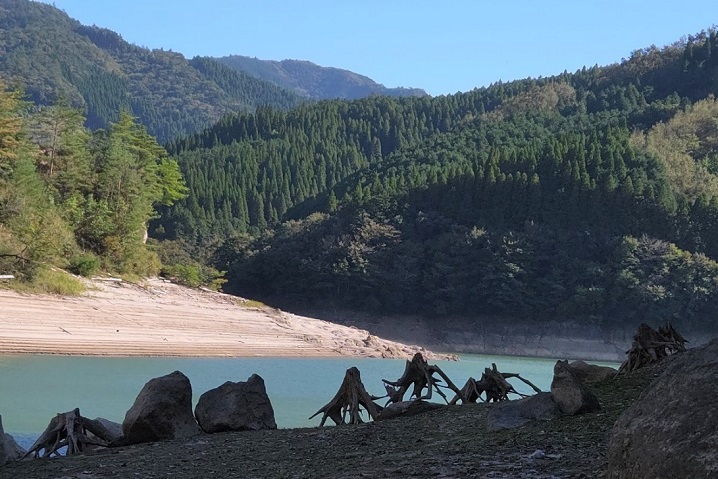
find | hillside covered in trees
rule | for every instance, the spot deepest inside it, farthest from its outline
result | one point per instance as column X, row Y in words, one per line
column 311, row 80
column 53, row 57
column 587, row 196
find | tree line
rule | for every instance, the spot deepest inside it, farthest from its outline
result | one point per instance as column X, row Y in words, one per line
column 77, row 199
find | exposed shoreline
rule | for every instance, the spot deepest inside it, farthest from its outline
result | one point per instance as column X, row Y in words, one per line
column 158, row 318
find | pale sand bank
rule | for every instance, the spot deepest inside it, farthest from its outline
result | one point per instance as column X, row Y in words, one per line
column 158, row 318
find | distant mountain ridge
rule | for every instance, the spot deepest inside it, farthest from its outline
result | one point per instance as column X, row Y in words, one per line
column 314, row 81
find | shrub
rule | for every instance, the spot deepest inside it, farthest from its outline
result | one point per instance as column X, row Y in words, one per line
column 84, row 264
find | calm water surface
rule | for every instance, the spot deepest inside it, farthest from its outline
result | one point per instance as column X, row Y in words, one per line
column 34, row 388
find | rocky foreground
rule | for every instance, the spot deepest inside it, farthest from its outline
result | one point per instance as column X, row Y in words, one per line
column 449, row 442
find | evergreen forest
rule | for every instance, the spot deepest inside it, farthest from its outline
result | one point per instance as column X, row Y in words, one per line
column 588, row 196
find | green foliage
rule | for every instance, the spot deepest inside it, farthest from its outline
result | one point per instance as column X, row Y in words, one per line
column 84, row 264
column 179, row 266
column 72, row 199
column 47, row 280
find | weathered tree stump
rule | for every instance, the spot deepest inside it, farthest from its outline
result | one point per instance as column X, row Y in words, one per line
column 70, row 429
column 650, row 345
column 419, row 374
column 493, row 384
column 350, row 398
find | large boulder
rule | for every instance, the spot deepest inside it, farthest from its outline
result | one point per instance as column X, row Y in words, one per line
column 9, row 449
column 511, row 414
column 672, row 431
column 162, row 410
column 592, row 373
column 569, row 393
column 236, row 406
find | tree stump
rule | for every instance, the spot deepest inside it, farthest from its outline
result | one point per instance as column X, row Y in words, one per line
column 493, row 384
column 350, row 398
column 70, row 429
column 650, row 345
column 419, row 374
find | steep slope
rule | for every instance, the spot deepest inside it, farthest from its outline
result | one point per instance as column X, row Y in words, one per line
column 314, row 81
column 557, row 198
column 53, row 56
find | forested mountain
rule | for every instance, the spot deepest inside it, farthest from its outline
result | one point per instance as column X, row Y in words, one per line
column 590, row 196
column 311, row 80
column 53, row 57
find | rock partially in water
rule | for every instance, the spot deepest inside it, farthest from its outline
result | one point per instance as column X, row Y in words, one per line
column 512, row 414
column 9, row 449
column 569, row 393
column 236, row 406
column 162, row 410
column 672, row 431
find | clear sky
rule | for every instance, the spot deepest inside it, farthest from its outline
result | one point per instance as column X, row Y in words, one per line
column 441, row 46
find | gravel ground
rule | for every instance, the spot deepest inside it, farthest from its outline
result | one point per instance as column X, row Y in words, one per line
column 451, row 442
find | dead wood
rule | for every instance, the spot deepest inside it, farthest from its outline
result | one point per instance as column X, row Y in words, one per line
column 650, row 345
column 493, row 384
column 420, row 375
column 70, row 429
column 349, row 400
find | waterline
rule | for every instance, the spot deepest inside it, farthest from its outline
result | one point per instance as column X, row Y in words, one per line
column 35, row 388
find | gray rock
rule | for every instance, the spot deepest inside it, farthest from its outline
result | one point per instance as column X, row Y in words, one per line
column 672, row 431
column 512, row 414
column 9, row 449
column 162, row 410
column 569, row 393
column 591, row 373
column 236, row 406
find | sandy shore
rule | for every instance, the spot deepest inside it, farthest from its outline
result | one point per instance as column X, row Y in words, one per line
column 158, row 318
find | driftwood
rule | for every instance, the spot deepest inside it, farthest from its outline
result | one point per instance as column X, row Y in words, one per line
column 349, row 400
column 70, row 429
column 493, row 384
column 419, row 374
column 650, row 345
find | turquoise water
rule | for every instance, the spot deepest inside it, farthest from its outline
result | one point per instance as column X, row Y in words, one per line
column 34, row 388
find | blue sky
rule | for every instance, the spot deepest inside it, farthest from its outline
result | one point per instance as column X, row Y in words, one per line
column 443, row 47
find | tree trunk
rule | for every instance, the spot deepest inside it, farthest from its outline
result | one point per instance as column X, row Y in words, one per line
column 70, row 429
column 348, row 400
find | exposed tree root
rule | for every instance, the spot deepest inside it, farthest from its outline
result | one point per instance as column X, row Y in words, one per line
column 493, row 384
column 650, row 345
column 349, row 400
column 70, row 429
column 419, row 374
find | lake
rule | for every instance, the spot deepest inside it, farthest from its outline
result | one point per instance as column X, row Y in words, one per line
column 34, row 388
